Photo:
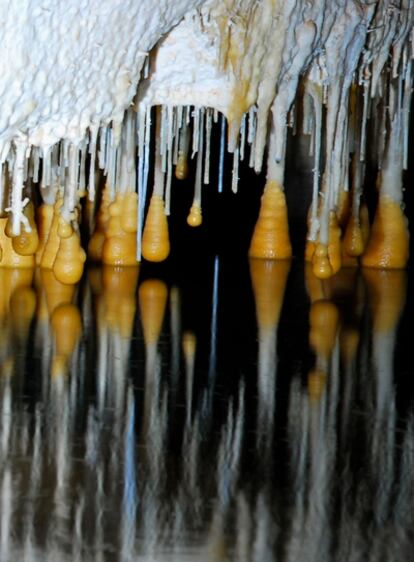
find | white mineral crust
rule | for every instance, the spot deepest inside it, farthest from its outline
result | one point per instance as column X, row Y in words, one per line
column 68, row 64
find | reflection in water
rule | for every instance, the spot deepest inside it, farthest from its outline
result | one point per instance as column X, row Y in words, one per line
column 125, row 435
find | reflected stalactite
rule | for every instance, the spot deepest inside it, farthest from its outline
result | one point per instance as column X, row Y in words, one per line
column 100, row 460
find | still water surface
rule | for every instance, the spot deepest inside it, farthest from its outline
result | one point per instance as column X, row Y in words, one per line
column 240, row 411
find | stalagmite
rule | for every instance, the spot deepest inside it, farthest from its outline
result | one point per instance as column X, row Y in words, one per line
column 271, row 234
column 155, row 237
column 119, row 247
column 70, row 257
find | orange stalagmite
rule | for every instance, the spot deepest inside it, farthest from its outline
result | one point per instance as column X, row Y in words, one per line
column 349, row 341
column 44, row 218
column 334, row 246
column 195, row 217
column 271, row 234
column 327, row 259
column 155, row 238
column 51, row 246
column 55, row 293
column 152, row 296
column 26, row 243
column 317, row 289
column 310, row 248
column 321, row 266
column 67, row 328
column 97, row 239
column 269, row 282
column 388, row 245
column 120, row 246
column 119, row 285
column 22, row 309
column 70, row 258
column 323, row 319
column 353, row 239
column 387, row 293
column 10, row 281
column 343, row 208
column 10, row 258
column 129, row 213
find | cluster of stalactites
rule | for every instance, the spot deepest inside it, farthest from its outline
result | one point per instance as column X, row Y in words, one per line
column 113, row 177
column 354, row 93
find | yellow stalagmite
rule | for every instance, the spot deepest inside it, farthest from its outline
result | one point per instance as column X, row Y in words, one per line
column 387, row 293
column 152, row 296
column 321, row 265
column 129, row 213
column 353, row 239
column 343, row 208
column 120, row 246
column 323, row 319
column 66, row 325
column 22, row 309
column 334, row 246
column 97, row 239
column 52, row 244
column 195, row 217
column 388, row 245
column 10, row 258
column 70, row 258
column 155, row 238
column 10, row 280
column 269, row 282
column 327, row 259
column 44, row 218
column 349, row 341
column 310, row 248
column 55, row 292
column 271, row 234
column 26, row 243
column 119, row 286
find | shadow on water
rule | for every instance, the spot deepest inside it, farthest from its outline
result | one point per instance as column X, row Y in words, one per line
column 242, row 412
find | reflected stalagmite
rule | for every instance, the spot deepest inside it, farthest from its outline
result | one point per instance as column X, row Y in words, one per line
column 269, row 281
column 103, row 461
